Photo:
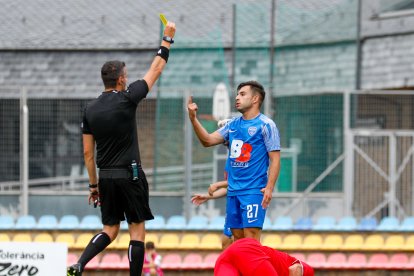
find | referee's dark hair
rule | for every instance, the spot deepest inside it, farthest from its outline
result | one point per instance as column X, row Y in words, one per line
column 111, row 71
column 256, row 87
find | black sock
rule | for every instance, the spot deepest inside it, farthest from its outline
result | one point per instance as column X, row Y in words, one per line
column 136, row 257
column 98, row 243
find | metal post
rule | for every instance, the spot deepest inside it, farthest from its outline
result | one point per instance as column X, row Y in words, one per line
column 348, row 173
column 188, row 149
column 392, row 175
column 268, row 102
column 233, row 51
column 24, row 153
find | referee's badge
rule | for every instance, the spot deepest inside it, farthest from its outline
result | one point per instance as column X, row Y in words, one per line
column 252, row 130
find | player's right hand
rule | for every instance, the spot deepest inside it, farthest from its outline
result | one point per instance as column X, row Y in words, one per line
column 199, row 199
column 169, row 29
column 192, row 108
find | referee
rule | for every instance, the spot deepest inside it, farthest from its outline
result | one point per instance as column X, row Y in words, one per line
column 109, row 122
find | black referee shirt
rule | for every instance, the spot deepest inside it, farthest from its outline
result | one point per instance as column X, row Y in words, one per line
column 111, row 120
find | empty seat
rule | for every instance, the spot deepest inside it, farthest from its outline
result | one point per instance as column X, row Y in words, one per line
column 47, row 222
column 197, row 223
column 335, row 261
column 282, row 223
column 291, row 242
column 158, row 223
column 110, row 261
column 210, row 260
column 407, row 224
column 373, row 242
column 312, row 242
column 22, row 237
column 353, row 242
column 388, row 224
column 90, row 222
column 152, row 237
column 409, row 243
column 71, row 259
column 367, row 224
column 267, row 224
column 316, row 260
column 93, row 264
column 346, row 224
column 210, row 241
column 169, row 241
column 43, row 237
column 332, row 242
column 189, row 241
column 124, row 264
column 82, row 240
column 68, row 222
column 176, row 222
column 298, row 255
column 272, row 240
column 171, row 261
column 192, row 261
column 123, row 241
column 6, row 222
column 67, row 238
column 217, row 223
column 377, row 261
column 356, row 261
column 4, row 237
column 394, row 242
column 303, row 224
column 325, row 223
column 25, row 222
column 398, row 261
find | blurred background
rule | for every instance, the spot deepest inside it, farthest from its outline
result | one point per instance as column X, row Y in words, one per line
column 338, row 76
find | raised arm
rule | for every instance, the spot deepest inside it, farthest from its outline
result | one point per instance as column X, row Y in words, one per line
column 206, row 139
column 161, row 59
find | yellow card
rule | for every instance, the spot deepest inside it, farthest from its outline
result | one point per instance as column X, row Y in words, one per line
column 163, row 19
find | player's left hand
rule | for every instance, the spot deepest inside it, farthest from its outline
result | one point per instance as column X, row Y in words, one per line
column 267, row 196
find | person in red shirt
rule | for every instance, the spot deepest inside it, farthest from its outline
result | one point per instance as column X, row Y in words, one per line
column 248, row 257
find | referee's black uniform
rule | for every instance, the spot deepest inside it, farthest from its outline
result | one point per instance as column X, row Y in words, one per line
column 111, row 120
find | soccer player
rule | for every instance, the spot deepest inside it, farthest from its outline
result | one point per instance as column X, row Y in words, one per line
column 109, row 122
column 253, row 163
column 247, row 257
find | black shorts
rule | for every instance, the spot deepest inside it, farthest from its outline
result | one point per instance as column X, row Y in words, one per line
column 124, row 198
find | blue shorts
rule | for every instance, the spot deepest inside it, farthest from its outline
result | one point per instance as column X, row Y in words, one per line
column 245, row 211
column 227, row 231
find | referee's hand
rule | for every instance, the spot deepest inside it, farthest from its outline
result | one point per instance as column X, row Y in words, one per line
column 192, row 108
column 169, row 29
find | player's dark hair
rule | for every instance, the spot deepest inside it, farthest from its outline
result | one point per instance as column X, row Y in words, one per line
column 149, row 245
column 256, row 87
column 111, row 71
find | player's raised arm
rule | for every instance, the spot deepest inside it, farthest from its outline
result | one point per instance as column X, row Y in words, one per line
column 161, row 59
column 206, row 139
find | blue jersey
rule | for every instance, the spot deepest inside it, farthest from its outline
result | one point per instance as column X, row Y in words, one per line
column 248, row 160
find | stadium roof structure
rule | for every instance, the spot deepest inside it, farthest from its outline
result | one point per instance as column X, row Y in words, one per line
column 134, row 24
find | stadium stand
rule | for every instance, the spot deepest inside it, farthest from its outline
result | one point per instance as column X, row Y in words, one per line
column 267, row 225
column 316, row 259
column 377, row 261
column 304, row 223
column 169, row 241
column 388, row 224
column 367, row 224
column 68, row 222
column 4, row 237
column 409, row 243
column 22, row 237
column 356, row 261
column 292, row 242
column 272, row 240
column 67, row 238
column 407, row 224
column 82, row 240
column 394, row 242
column 71, row 259
column 283, row 223
column 192, row 261
column 124, row 264
column 6, row 222
column 110, row 261
column 210, row 260
column 93, row 264
column 171, row 261
column 353, row 242
column 398, row 261
column 373, row 242
column 153, row 237
column 47, row 222
column 43, row 237
column 216, row 223
column 324, row 223
column 335, row 261
column 210, row 241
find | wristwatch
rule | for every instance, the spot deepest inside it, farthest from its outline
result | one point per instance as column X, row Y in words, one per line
column 168, row 39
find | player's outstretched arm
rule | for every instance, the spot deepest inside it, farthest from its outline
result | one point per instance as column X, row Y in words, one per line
column 206, row 139
column 199, row 199
column 161, row 59
column 216, row 186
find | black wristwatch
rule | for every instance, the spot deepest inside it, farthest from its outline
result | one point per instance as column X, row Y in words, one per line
column 168, row 39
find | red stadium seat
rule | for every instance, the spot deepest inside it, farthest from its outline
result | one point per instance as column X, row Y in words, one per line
column 210, row 260
column 356, row 261
column 398, row 261
column 378, row 261
column 298, row 255
column 410, row 264
column 93, row 264
column 124, row 264
column 71, row 259
column 336, row 261
column 171, row 261
column 110, row 261
column 192, row 261
column 316, row 260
